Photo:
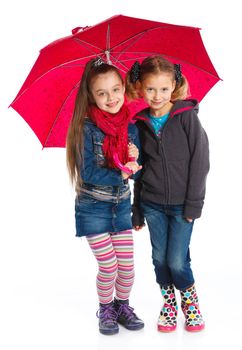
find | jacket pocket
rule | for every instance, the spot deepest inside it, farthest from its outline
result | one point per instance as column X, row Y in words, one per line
column 153, row 178
column 178, row 178
column 98, row 151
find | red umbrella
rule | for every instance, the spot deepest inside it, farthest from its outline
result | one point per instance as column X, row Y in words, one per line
column 46, row 99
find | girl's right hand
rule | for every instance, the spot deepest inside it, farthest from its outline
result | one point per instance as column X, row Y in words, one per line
column 138, row 227
column 133, row 166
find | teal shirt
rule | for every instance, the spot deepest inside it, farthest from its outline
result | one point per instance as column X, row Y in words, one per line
column 158, row 122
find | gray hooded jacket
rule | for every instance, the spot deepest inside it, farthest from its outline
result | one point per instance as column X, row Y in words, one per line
column 175, row 164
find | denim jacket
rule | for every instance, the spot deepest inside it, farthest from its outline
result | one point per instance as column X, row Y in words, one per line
column 93, row 171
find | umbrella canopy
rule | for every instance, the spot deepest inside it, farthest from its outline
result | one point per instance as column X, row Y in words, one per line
column 46, row 99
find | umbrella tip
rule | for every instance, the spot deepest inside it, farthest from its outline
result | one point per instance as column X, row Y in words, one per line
column 78, row 29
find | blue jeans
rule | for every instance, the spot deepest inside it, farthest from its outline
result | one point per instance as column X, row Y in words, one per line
column 170, row 236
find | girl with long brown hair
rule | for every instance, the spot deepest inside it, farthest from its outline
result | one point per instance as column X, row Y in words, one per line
column 101, row 128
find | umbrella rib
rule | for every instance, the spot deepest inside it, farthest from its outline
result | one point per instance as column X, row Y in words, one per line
column 193, row 65
column 108, row 38
column 107, row 51
column 115, row 61
column 53, row 68
column 57, row 115
column 143, row 33
column 138, row 37
column 88, row 46
column 173, row 57
column 126, row 68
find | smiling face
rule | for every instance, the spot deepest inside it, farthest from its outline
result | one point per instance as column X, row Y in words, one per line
column 156, row 89
column 108, row 92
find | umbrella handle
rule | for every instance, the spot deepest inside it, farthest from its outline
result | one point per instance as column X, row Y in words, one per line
column 120, row 165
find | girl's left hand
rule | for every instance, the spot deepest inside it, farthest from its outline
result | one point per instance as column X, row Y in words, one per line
column 133, row 166
column 189, row 219
column 133, row 151
column 138, row 228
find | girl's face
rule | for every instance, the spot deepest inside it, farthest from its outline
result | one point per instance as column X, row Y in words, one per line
column 108, row 92
column 156, row 89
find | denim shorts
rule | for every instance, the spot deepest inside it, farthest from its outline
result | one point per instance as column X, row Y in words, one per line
column 94, row 216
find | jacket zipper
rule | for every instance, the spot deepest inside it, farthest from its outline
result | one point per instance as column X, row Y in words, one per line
column 164, row 165
column 161, row 152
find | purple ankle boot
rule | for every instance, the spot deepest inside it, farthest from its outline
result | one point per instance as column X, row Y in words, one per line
column 107, row 319
column 126, row 315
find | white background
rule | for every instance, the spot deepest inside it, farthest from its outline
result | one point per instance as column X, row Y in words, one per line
column 47, row 275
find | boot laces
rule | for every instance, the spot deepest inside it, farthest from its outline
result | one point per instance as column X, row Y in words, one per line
column 107, row 314
column 127, row 311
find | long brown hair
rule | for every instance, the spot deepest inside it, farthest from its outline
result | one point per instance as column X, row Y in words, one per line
column 84, row 98
column 156, row 65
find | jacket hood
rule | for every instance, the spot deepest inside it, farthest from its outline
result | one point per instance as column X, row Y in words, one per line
column 179, row 106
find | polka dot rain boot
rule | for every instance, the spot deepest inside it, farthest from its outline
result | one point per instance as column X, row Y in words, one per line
column 190, row 307
column 168, row 314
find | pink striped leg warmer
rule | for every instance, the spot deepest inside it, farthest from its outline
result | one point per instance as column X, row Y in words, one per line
column 114, row 254
column 123, row 246
column 102, row 249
